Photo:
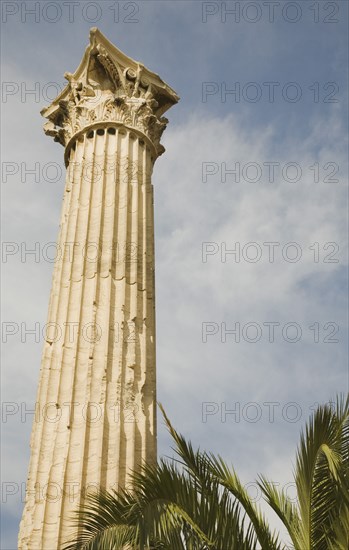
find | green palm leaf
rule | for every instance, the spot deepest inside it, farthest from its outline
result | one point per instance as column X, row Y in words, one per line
column 210, row 470
column 320, row 520
column 197, row 502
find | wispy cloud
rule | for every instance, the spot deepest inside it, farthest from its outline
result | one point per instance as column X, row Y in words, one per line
column 246, row 400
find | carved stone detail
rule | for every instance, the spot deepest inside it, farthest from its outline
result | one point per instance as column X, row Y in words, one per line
column 110, row 88
column 110, row 119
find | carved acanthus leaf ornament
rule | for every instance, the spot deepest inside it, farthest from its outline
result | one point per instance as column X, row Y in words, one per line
column 110, row 88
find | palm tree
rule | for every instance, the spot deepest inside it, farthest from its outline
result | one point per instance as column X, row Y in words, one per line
column 197, row 502
column 320, row 519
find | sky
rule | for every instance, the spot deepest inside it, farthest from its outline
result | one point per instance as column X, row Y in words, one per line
column 250, row 218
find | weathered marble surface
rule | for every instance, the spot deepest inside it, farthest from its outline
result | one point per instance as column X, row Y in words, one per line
column 97, row 392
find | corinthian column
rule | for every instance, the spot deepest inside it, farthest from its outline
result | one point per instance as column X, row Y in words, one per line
column 96, row 404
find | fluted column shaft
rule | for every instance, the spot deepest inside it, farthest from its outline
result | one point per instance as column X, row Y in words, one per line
column 96, row 399
column 96, row 404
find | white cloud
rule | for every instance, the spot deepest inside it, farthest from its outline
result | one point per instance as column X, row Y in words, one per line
column 189, row 292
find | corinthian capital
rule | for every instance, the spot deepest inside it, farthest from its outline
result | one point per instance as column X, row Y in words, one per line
column 110, row 89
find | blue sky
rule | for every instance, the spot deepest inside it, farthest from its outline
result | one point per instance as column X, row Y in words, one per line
column 200, row 381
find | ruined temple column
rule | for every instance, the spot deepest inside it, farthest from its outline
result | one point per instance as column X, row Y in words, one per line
column 96, row 404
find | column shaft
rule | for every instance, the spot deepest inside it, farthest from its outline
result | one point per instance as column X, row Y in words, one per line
column 97, row 391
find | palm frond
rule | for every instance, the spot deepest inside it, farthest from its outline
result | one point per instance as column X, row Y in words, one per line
column 103, row 524
column 284, row 508
column 209, row 472
column 319, row 473
column 197, row 502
